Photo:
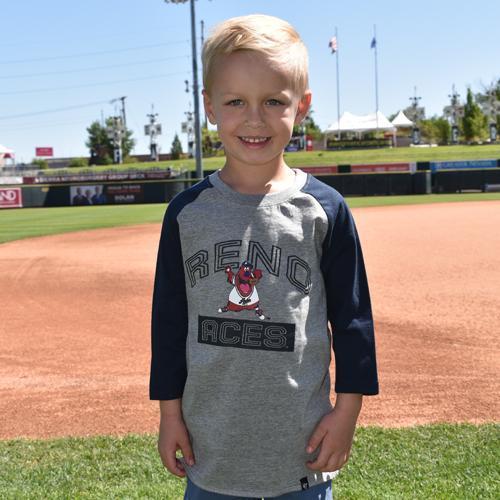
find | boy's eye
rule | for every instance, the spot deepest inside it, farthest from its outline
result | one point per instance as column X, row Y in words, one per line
column 274, row 102
column 235, row 102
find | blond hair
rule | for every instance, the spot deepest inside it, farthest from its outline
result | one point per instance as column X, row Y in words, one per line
column 271, row 36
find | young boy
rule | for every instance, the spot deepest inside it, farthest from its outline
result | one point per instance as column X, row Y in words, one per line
column 252, row 264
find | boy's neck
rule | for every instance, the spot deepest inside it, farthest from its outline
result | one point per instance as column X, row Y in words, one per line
column 261, row 179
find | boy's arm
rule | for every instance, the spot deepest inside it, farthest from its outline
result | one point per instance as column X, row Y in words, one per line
column 174, row 436
column 230, row 274
column 334, row 434
column 349, row 312
column 349, row 309
column 169, row 321
column 168, row 346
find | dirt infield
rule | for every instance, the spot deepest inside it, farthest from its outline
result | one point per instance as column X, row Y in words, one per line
column 74, row 328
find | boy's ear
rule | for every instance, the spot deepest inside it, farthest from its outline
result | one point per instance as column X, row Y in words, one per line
column 208, row 107
column 303, row 107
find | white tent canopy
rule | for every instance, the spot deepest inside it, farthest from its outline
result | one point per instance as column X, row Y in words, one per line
column 401, row 120
column 361, row 123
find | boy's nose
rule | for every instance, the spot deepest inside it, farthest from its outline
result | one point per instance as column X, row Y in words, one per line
column 254, row 118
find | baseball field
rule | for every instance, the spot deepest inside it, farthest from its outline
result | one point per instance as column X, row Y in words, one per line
column 75, row 419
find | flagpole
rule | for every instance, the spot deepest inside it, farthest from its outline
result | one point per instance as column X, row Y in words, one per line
column 338, row 86
column 376, row 73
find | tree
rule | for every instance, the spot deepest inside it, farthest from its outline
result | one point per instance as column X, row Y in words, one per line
column 210, row 141
column 78, row 163
column 435, row 129
column 428, row 131
column 40, row 163
column 491, row 92
column 443, row 129
column 310, row 127
column 176, row 149
column 474, row 122
column 101, row 146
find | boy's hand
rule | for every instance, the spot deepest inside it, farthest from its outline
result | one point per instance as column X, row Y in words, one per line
column 174, row 436
column 334, row 434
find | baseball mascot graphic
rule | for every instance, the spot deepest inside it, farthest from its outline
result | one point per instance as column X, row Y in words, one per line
column 244, row 294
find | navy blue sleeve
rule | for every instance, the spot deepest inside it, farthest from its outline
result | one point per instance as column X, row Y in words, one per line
column 349, row 307
column 347, row 295
column 169, row 322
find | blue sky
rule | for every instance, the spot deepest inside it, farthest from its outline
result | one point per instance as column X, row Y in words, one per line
column 59, row 54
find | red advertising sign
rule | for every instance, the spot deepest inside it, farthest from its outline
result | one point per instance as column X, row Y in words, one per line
column 11, row 198
column 44, row 151
column 382, row 167
column 331, row 169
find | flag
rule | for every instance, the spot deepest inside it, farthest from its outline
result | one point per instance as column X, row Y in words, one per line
column 333, row 44
column 374, row 43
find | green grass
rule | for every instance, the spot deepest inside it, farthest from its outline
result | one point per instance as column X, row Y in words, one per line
column 21, row 223
column 418, row 199
column 393, row 155
column 444, row 461
column 301, row 159
column 28, row 222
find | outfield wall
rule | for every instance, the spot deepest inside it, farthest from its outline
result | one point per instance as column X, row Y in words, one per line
column 111, row 193
column 409, row 178
column 349, row 180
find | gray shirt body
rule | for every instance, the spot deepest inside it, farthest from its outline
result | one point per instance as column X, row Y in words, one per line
column 257, row 346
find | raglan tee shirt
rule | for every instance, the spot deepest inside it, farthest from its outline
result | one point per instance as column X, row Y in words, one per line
column 245, row 286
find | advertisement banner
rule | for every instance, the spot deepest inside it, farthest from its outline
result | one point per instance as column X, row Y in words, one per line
column 95, row 178
column 44, row 151
column 493, row 132
column 334, row 144
column 381, row 167
column 459, row 165
column 88, row 195
column 11, row 198
column 332, row 169
column 8, row 180
column 125, row 193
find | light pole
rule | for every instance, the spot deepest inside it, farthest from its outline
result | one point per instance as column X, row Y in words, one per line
column 197, row 130
column 122, row 99
column 415, row 117
column 153, row 129
column 454, row 111
column 492, row 108
column 116, row 133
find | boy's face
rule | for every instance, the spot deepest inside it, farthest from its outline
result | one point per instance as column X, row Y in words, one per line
column 254, row 107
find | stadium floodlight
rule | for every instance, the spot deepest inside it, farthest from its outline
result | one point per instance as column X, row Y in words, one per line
column 198, row 148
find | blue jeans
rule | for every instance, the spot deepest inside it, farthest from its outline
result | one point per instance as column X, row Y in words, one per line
column 321, row 491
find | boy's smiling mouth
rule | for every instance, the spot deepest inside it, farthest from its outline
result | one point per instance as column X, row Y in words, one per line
column 252, row 140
